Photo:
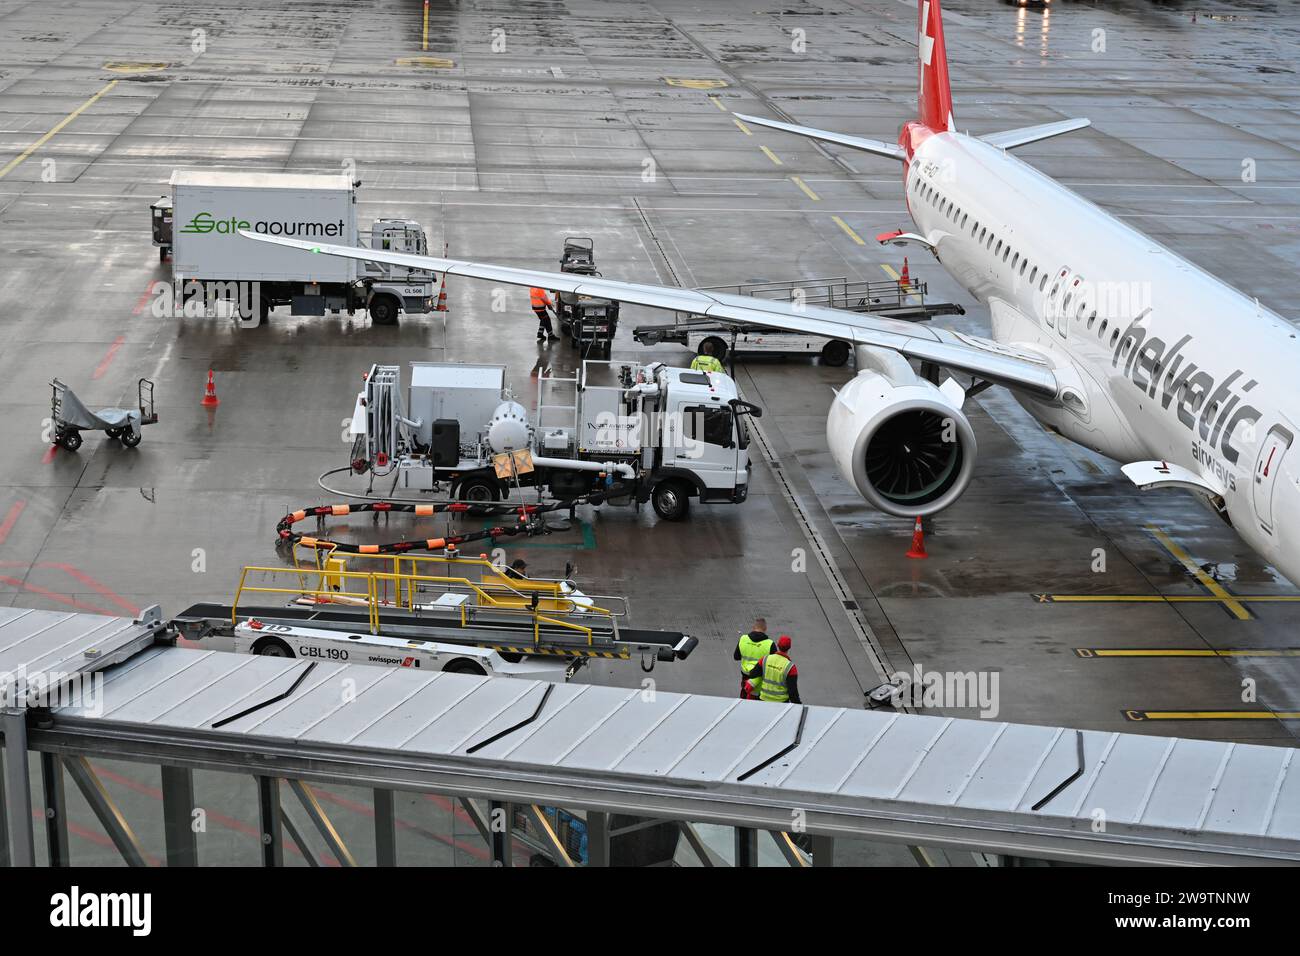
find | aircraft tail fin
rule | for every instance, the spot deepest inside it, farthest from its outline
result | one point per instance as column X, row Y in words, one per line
column 934, row 95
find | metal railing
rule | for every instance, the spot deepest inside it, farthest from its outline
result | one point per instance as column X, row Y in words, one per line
column 836, row 292
column 536, row 602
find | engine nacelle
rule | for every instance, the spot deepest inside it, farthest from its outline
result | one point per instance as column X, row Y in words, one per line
column 902, row 442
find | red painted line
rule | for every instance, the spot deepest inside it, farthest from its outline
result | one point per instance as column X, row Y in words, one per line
column 94, row 585
column 144, row 298
column 219, row 818
column 11, row 519
column 71, row 602
column 108, row 358
column 90, row 836
column 49, row 454
column 520, row 852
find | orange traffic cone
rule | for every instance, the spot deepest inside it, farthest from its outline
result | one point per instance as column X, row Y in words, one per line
column 918, row 541
column 210, row 399
column 442, row 286
column 905, row 279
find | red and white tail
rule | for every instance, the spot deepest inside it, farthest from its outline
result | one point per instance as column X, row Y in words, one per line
column 933, row 104
column 934, row 96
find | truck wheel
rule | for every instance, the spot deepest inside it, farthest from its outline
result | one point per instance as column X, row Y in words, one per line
column 71, row 440
column 383, row 310
column 462, row 665
column 835, row 353
column 478, row 489
column 130, row 438
column 162, row 253
column 671, row 500
column 272, row 647
column 719, row 347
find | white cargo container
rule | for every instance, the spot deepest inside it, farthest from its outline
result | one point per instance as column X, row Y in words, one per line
column 210, row 207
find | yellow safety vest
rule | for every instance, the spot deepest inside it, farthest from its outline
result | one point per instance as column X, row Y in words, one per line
column 705, row 363
column 775, row 669
column 751, row 652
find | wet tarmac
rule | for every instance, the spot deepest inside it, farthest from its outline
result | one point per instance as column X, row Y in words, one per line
column 522, row 123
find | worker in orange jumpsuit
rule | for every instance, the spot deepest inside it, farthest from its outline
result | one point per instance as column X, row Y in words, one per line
column 542, row 305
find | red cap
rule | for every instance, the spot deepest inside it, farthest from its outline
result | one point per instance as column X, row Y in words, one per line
column 783, row 642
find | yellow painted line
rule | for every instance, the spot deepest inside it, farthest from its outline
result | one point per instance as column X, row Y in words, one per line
column 1164, row 599
column 718, row 103
column 848, row 231
column 424, row 39
column 15, row 162
column 114, row 66
column 692, row 84
column 1212, row 715
column 1234, row 606
column 1091, row 652
column 804, row 186
column 743, row 128
column 893, row 274
column 433, row 62
column 777, row 159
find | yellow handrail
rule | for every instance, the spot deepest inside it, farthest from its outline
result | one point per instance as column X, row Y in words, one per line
column 372, row 580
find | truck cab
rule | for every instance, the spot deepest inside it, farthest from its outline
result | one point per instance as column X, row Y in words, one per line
column 703, row 446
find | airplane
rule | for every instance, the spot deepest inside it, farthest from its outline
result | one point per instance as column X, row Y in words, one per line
column 1102, row 334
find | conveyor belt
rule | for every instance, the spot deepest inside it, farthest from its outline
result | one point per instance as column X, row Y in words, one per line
column 446, row 626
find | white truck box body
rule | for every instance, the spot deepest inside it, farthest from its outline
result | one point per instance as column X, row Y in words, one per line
column 467, row 393
column 211, row 205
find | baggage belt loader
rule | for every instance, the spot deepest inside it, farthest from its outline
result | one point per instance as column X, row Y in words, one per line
column 633, row 432
column 424, row 611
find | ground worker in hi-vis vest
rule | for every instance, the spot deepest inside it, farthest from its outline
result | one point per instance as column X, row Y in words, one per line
column 779, row 675
column 705, row 361
column 751, row 649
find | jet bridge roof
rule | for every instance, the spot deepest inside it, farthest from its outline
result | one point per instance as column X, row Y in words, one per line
column 58, row 645
column 931, row 781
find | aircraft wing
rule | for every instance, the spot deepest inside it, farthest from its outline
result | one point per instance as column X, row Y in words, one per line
column 983, row 358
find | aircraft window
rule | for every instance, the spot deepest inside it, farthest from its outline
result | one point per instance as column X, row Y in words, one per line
column 1006, row 253
column 1083, row 304
column 1066, row 304
column 964, row 217
column 1033, row 276
column 1128, row 345
column 1114, row 337
column 974, row 229
column 999, row 247
column 983, row 233
column 1015, row 260
column 1042, row 283
column 1024, row 263
column 1092, row 318
column 1056, row 287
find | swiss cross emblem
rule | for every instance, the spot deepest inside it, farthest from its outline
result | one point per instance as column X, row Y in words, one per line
column 926, row 41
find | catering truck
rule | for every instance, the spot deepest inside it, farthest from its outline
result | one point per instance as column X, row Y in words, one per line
column 633, row 432
column 199, row 223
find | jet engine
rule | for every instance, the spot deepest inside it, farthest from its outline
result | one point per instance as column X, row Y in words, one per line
column 900, row 440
